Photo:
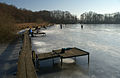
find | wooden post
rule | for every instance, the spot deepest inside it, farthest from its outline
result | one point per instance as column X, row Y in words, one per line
column 88, row 59
column 75, row 58
column 53, row 60
column 37, row 62
column 61, row 61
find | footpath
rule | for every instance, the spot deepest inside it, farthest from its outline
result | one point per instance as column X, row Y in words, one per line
column 8, row 58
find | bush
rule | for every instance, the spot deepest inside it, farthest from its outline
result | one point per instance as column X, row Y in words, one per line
column 7, row 27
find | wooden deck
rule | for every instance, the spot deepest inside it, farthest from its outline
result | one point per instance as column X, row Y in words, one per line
column 70, row 52
column 45, row 56
column 74, row 52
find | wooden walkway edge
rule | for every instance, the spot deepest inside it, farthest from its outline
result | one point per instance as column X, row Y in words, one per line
column 25, row 68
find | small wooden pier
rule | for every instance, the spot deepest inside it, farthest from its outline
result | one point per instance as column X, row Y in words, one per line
column 69, row 53
column 45, row 56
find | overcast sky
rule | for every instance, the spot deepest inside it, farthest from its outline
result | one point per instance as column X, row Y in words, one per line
column 76, row 7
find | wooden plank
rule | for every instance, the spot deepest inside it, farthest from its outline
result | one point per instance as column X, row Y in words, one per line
column 79, row 52
column 47, row 55
column 21, row 67
column 43, row 56
column 31, row 73
column 57, row 51
column 73, row 53
column 26, row 67
column 40, row 56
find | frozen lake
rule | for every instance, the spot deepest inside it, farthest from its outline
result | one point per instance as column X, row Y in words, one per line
column 102, row 41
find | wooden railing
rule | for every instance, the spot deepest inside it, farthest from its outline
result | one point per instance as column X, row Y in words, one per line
column 25, row 68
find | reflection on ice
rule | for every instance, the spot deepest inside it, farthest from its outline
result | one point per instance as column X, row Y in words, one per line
column 68, row 60
column 99, row 46
column 39, row 43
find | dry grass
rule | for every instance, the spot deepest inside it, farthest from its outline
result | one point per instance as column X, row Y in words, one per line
column 31, row 25
column 7, row 28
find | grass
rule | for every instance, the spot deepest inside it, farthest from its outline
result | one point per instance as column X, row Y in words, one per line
column 7, row 28
column 30, row 25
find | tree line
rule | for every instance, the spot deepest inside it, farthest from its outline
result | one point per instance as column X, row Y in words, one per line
column 27, row 16
column 57, row 16
column 94, row 18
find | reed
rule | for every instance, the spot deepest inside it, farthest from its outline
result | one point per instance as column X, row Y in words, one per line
column 7, row 28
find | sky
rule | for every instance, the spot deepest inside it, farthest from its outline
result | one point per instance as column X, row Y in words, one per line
column 75, row 7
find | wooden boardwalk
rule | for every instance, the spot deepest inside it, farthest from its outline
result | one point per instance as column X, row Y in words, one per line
column 25, row 68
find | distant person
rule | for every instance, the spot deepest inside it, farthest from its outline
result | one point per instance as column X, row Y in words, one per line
column 44, row 27
column 81, row 26
column 37, row 29
column 60, row 26
column 63, row 50
column 31, row 32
